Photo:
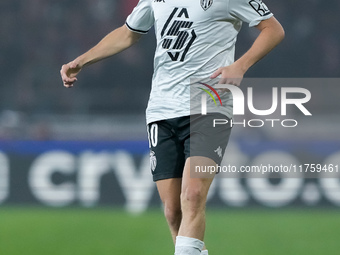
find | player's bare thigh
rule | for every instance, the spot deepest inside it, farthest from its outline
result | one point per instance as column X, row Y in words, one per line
column 190, row 169
column 169, row 191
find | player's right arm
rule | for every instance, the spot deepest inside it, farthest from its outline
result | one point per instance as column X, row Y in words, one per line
column 115, row 42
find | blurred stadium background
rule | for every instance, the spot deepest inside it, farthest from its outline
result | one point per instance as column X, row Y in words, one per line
column 74, row 174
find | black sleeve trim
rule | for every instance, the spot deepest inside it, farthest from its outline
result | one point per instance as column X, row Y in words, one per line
column 136, row 30
column 266, row 14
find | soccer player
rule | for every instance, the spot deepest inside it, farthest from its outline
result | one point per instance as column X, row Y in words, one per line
column 195, row 39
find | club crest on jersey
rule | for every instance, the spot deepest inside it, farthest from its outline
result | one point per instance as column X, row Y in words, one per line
column 206, row 4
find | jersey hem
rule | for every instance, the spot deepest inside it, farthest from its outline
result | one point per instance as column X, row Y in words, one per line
column 265, row 17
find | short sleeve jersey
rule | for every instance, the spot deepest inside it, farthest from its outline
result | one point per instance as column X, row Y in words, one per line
column 194, row 39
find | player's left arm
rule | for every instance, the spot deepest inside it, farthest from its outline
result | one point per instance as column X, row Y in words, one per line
column 271, row 34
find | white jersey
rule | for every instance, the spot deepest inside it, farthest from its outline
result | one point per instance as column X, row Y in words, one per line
column 194, row 39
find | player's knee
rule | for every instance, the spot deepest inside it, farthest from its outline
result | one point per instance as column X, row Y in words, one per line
column 193, row 197
column 173, row 214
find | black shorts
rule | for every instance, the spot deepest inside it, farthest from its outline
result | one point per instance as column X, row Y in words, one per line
column 172, row 141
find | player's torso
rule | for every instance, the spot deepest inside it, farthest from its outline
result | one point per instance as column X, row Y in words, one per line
column 183, row 27
column 188, row 32
column 194, row 39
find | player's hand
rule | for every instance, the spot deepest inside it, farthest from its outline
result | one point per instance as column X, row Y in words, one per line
column 69, row 73
column 232, row 75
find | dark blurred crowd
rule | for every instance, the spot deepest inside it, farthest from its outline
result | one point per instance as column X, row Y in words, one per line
column 38, row 36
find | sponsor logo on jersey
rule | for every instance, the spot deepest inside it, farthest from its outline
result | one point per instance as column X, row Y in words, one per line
column 260, row 7
column 159, row 1
column 206, row 4
column 177, row 34
column 153, row 160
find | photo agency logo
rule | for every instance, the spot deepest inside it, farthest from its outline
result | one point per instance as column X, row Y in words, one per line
column 295, row 96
